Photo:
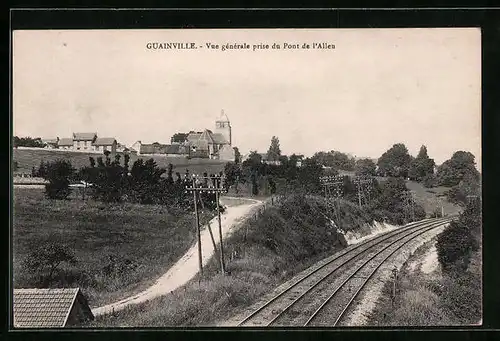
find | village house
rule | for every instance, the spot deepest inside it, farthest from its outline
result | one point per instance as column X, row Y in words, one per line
column 102, row 144
column 151, row 149
column 50, row 308
column 65, row 143
column 177, row 150
column 83, row 141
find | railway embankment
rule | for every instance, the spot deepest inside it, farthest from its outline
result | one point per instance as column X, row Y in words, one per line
column 265, row 251
column 440, row 283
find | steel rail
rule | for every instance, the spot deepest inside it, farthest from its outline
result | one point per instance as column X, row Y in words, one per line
column 377, row 240
column 418, row 233
column 320, row 280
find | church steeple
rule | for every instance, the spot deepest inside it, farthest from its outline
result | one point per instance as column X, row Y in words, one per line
column 223, row 126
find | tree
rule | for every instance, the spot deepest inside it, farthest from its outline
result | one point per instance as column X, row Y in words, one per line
column 108, row 180
column 421, row 166
column 47, row 258
column 145, row 182
column 452, row 171
column 179, row 138
column 255, row 185
column 335, row 159
column 283, row 159
column 470, row 185
column 309, row 174
column 237, row 155
column 42, row 170
column 232, row 172
column 389, row 203
column 170, row 173
column 395, row 162
column 457, row 242
column 323, row 158
column 274, row 152
column 27, row 142
column 365, row 167
column 58, row 174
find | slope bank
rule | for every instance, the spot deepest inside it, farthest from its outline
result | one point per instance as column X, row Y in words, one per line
column 266, row 250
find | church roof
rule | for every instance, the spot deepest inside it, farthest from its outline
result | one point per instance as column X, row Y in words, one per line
column 219, row 138
column 208, row 137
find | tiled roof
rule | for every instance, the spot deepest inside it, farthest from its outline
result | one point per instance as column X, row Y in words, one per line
column 65, row 142
column 207, row 136
column 84, row 136
column 193, row 137
column 219, row 138
column 42, row 308
column 154, row 148
column 104, row 141
column 176, row 149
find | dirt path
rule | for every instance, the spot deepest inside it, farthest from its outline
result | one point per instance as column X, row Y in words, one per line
column 187, row 267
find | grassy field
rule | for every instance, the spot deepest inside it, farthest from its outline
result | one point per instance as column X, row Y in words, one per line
column 429, row 198
column 147, row 238
column 28, row 158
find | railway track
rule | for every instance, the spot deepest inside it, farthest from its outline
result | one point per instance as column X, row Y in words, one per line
column 322, row 294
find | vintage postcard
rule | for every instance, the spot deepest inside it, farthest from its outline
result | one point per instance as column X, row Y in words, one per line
column 246, row 178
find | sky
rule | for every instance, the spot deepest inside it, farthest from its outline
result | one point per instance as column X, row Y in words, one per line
column 377, row 87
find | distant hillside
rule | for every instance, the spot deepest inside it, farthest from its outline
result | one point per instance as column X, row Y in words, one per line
column 28, row 158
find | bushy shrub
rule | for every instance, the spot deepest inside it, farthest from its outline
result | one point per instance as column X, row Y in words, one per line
column 58, row 173
column 429, row 181
column 43, row 262
column 457, row 242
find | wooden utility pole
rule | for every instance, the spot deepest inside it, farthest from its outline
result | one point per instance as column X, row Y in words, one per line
column 363, row 186
column 215, row 188
column 218, row 187
column 200, row 259
column 335, row 182
column 471, row 198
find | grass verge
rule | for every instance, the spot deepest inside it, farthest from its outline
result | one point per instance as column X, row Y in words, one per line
column 435, row 299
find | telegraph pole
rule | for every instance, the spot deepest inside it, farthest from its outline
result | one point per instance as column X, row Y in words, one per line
column 363, row 186
column 337, row 182
column 200, row 259
column 213, row 187
column 471, row 198
column 218, row 188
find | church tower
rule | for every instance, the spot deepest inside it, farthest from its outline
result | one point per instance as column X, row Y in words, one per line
column 223, row 126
